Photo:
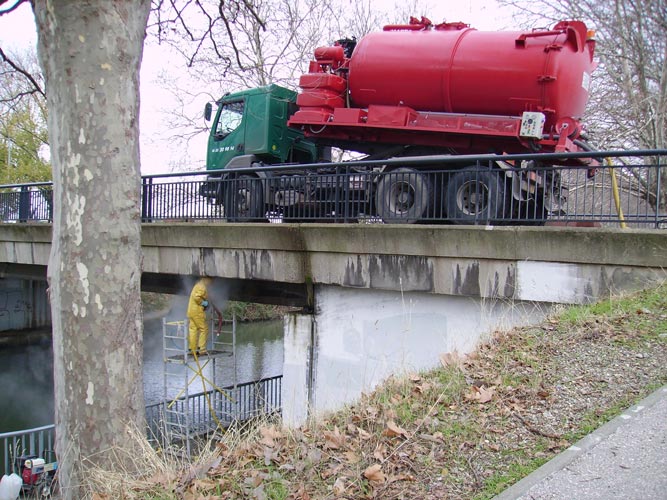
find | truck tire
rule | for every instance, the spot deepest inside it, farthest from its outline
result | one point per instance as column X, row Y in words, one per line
column 475, row 197
column 402, row 196
column 244, row 199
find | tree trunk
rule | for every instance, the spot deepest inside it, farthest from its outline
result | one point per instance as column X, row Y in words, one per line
column 90, row 52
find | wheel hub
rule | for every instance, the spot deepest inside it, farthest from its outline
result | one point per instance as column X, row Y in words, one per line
column 403, row 198
column 473, row 198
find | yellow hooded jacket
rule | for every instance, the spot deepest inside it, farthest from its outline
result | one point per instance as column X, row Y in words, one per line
column 196, row 312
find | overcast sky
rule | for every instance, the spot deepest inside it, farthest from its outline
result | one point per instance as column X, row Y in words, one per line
column 17, row 32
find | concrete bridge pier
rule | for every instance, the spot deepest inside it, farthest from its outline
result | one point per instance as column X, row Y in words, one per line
column 359, row 337
column 24, row 304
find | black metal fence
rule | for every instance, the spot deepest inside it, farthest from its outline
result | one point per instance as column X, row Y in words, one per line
column 619, row 188
column 39, row 442
column 203, row 412
column 26, row 202
column 235, row 404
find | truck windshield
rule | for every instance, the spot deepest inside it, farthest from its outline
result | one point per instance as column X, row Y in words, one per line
column 229, row 119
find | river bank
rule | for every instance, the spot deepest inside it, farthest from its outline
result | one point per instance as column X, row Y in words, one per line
column 156, row 304
column 465, row 430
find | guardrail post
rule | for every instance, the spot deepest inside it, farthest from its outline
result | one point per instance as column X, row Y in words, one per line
column 147, row 199
column 346, row 202
column 657, row 193
column 337, row 189
column 24, row 204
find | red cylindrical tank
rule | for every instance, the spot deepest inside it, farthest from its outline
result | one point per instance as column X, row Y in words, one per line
column 456, row 69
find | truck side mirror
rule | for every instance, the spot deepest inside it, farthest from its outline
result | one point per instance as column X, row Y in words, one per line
column 208, row 109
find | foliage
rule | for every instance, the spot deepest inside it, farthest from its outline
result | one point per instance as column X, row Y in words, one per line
column 248, row 311
column 24, row 143
column 151, row 301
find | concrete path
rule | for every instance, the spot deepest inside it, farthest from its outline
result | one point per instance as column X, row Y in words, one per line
column 624, row 459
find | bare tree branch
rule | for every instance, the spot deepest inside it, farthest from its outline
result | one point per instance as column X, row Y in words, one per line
column 26, row 74
column 10, row 9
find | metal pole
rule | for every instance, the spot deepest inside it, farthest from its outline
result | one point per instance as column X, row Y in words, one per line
column 657, row 194
column 617, row 196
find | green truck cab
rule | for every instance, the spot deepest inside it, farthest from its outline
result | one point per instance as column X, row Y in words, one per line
column 250, row 129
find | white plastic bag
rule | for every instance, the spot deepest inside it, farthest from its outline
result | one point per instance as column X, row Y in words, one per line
column 10, row 487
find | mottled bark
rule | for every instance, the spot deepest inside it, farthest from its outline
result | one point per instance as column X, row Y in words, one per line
column 90, row 52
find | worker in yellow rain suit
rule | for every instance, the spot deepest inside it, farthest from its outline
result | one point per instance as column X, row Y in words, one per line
column 198, row 330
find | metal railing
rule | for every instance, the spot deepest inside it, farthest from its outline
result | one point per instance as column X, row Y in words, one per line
column 26, row 202
column 39, row 441
column 235, row 404
column 630, row 188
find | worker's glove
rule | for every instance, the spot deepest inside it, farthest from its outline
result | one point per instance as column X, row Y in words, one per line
column 204, row 303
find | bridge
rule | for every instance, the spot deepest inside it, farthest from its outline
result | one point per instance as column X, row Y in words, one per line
column 284, row 263
column 377, row 299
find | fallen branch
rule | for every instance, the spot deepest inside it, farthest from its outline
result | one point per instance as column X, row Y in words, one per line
column 534, row 430
column 478, row 480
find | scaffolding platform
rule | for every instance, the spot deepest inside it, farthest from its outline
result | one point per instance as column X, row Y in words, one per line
column 188, row 378
column 209, row 354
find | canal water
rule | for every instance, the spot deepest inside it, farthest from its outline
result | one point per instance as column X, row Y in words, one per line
column 26, row 372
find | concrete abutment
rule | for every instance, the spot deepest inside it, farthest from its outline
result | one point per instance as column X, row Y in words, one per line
column 357, row 338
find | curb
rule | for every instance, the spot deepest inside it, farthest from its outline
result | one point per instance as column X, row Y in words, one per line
column 585, row 444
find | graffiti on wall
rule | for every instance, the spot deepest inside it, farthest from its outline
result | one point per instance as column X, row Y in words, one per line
column 23, row 304
column 15, row 311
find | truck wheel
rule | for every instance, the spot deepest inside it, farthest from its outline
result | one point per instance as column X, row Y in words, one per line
column 475, row 197
column 402, row 196
column 244, row 199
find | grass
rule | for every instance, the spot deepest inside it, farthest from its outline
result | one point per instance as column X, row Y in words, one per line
column 497, row 483
column 467, row 429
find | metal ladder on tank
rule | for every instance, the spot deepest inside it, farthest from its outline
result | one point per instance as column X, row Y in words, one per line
column 184, row 417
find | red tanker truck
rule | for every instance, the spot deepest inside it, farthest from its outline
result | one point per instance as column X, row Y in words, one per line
column 411, row 90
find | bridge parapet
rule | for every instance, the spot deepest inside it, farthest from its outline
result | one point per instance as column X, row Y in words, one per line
column 551, row 264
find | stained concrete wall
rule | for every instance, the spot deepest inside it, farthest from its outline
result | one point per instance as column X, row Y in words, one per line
column 357, row 338
column 23, row 305
column 522, row 263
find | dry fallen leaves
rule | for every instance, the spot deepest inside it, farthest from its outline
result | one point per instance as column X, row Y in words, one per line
column 374, row 474
column 481, row 394
column 334, row 440
column 339, row 486
column 269, row 435
column 352, row 457
column 452, row 359
column 393, row 430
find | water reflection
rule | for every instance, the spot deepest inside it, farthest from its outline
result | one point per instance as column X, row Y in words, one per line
column 259, row 354
column 26, row 373
column 26, row 387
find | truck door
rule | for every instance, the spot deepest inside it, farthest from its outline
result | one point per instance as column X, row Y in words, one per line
column 227, row 138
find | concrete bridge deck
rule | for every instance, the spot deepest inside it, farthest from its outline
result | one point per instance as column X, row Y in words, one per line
column 279, row 263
